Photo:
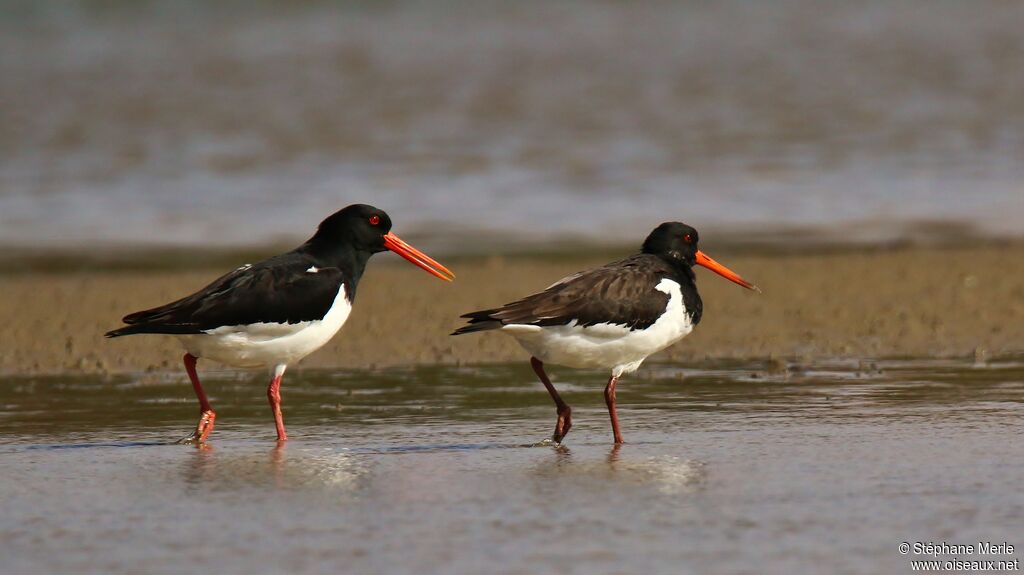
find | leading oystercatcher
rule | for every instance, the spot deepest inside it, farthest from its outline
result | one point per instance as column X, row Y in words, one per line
column 611, row 317
column 279, row 310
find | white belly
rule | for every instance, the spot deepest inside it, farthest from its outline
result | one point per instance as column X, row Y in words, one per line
column 268, row 344
column 607, row 346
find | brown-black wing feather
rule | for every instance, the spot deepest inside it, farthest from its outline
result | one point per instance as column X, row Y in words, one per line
column 621, row 293
column 276, row 291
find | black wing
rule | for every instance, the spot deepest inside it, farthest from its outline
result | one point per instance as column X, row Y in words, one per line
column 621, row 293
column 279, row 290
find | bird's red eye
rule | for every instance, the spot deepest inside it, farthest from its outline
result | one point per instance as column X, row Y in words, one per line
column 688, row 238
column 374, row 220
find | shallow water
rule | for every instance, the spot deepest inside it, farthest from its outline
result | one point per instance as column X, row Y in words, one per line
column 202, row 123
column 728, row 468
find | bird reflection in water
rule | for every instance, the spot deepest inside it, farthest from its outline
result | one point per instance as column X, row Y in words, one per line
column 276, row 468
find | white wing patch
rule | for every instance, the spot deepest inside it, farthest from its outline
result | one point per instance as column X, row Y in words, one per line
column 514, row 328
column 312, row 270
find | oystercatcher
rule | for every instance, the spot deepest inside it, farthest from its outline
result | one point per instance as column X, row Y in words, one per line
column 277, row 311
column 611, row 317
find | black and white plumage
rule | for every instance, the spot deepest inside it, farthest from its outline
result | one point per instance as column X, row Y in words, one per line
column 259, row 315
column 277, row 311
column 612, row 317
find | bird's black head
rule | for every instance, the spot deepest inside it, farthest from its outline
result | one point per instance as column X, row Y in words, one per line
column 677, row 243
column 359, row 226
column 358, row 231
column 674, row 241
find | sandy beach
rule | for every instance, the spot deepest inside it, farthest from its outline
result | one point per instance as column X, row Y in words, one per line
column 870, row 304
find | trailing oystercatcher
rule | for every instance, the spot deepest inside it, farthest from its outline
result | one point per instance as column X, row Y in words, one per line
column 611, row 317
column 277, row 311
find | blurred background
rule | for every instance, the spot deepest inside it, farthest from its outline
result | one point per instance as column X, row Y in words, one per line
column 190, row 123
column 871, row 395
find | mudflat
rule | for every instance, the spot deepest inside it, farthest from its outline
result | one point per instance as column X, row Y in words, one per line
column 912, row 301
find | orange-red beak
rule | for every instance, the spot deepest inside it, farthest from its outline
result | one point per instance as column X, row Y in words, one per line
column 397, row 245
column 703, row 260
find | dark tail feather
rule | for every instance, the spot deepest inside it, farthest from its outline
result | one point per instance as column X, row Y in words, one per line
column 478, row 321
column 137, row 317
column 156, row 320
column 477, row 326
column 147, row 314
column 153, row 328
column 126, row 330
column 135, row 323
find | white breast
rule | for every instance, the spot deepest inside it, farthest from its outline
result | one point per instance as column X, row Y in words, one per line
column 609, row 346
column 269, row 344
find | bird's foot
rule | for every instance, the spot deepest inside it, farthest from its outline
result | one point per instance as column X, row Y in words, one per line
column 190, row 440
column 203, row 429
column 563, row 425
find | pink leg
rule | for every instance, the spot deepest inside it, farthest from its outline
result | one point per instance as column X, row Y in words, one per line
column 206, row 414
column 274, row 395
column 564, row 422
column 609, row 400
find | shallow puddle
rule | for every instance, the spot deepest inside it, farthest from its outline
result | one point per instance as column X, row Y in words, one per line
column 729, row 467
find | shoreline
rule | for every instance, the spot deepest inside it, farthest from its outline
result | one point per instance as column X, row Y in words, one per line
column 878, row 303
column 482, row 246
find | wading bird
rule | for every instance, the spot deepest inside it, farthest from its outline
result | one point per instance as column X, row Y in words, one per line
column 277, row 311
column 611, row 317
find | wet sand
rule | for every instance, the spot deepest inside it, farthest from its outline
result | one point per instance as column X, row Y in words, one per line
column 886, row 303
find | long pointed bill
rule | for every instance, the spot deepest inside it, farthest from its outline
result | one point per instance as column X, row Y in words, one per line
column 397, row 245
column 703, row 260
